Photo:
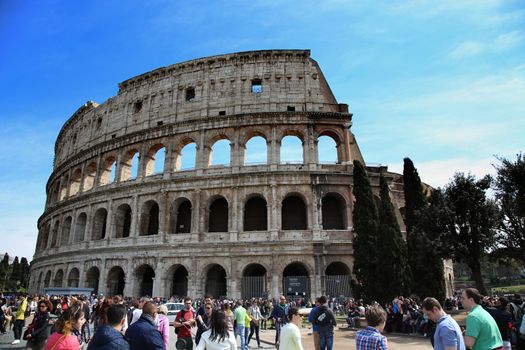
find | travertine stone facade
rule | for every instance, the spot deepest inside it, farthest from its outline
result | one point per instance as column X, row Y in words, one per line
column 114, row 223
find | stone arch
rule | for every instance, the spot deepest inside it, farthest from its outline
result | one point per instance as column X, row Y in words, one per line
column 296, row 279
column 73, row 278
column 80, row 227
column 291, row 148
column 54, row 234
column 89, row 176
column 293, row 213
column 221, row 146
column 74, row 185
column 92, row 279
column 129, row 165
column 66, row 230
column 63, row 187
column 155, row 160
column 178, row 281
column 333, row 208
column 180, row 216
column 45, row 236
column 216, row 278
column 59, row 278
column 338, row 280
column 324, row 147
column 218, row 215
column 149, row 218
column 145, row 275
column 116, row 281
column 255, row 149
column 99, row 224
column 55, row 192
column 47, row 279
column 108, row 171
column 186, row 154
column 255, row 216
column 123, row 221
column 254, row 281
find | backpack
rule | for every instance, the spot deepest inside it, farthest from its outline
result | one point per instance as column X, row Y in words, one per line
column 517, row 312
column 323, row 317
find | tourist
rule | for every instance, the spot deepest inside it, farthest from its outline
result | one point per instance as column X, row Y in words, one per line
column 279, row 317
column 203, row 321
column 325, row 320
column 229, row 316
column 256, row 316
column 164, row 324
column 67, row 328
column 109, row 336
column 448, row 335
column 482, row 331
column 371, row 338
column 184, row 320
column 37, row 332
column 143, row 334
column 138, row 311
column 218, row 337
column 498, row 310
column 239, row 315
column 291, row 333
column 315, row 329
column 20, row 317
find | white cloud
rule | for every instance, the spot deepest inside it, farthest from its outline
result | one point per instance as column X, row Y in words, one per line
column 508, row 40
column 465, row 49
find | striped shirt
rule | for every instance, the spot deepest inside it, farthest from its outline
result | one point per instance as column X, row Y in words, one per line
column 370, row 339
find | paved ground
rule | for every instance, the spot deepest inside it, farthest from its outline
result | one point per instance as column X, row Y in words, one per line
column 343, row 339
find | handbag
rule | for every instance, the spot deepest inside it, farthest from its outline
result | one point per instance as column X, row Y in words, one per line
column 27, row 333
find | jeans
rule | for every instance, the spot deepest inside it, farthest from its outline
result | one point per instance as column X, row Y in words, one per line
column 326, row 339
column 241, row 332
column 254, row 329
column 17, row 328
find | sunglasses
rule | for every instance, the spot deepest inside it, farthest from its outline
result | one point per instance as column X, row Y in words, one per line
column 208, row 308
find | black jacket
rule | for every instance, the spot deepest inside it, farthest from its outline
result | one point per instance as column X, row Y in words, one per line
column 108, row 338
column 41, row 327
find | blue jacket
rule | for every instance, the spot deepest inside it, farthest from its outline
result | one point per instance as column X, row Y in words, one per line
column 144, row 335
column 108, row 338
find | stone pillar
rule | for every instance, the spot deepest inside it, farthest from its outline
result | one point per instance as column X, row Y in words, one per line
column 233, row 225
column 157, row 281
column 274, row 217
column 196, row 216
column 347, row 156
column 118, row 169
column 169, row 161
column 135, row 218
column 164, row 213
column 82, row 276
column 110, row 230
column 102, row 278
column 128, row 272
column 89, row 223
column 96, row 180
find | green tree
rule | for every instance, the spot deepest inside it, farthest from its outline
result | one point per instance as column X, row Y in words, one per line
column 472, row 224
column 391, row 248
column 366, row 219
column 509, row 187
column 24, row 275
column 16, row 274
column 414, row 197
column 4, row 271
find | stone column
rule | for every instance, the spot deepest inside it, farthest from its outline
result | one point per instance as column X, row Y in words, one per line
column 157, row 281
column 135, row 218
column 110, row 230
column 118, row 169
column 82, row 276
column 128, row 287
column 233, row 217
column 274, row 217
column 169, row 161
column 102, row 278
column 196, row 216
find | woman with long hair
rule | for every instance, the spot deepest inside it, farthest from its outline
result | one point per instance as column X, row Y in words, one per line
column 37, row 332
column 67, row 329
column 218, row 337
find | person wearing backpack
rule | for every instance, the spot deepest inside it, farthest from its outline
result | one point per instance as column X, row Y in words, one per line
column 325, row 321
column 184, row 320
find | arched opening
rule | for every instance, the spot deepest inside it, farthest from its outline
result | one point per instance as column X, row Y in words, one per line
column 59, row 278
column 218, row 220
column 123, row 221
column 292, row 150
column 295, row 280
column 338, row 280
column 74, row 186
column 334, row 212
column 63, row 187
column 54, row 235
column 99, row 224
column 89, row 177
column 155, row 160
column 254, row 282
column 129, row 165
column 216, row 281
column 73, row 278
column 39, row 283
column 255, row 214
column 109, row 171
column 44, row 237
column 47, row 280
column 116, row 281
column 145, row 276
column 66, row 231
column 149, row 219
column 55, row 194
column 92, row 279
column 181, row 216
column 220, row 153
column 256, row 151
column 186, row 160
column 293, row 213
column 80, row 227
column 179, row 287
column 327, row 152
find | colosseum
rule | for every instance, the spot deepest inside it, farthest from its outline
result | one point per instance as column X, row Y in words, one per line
column 137, row 204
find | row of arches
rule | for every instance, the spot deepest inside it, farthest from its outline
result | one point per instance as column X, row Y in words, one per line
column 134, row 162
column 181, row 214
column 254, row 280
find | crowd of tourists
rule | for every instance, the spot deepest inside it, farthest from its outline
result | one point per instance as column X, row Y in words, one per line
column 64, row 323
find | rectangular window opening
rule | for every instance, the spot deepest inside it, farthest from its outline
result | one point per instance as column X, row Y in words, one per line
column 290, row 108
column 222, row 112
column 160, row 123
column 190, row 94
column 257, row 86
column 137, row 107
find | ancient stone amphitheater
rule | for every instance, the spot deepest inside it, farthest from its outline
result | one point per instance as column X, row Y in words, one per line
column 137, row 206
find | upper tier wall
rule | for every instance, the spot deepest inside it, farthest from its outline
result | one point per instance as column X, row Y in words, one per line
column 206, row 87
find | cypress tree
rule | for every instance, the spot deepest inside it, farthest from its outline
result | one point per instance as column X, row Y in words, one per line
column 15, row 276
column 365, row 218
column 392, row 248
column 414, row 199
column 4, row 271
column 24, row 266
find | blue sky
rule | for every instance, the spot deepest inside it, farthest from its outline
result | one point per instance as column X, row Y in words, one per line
column 442, row 82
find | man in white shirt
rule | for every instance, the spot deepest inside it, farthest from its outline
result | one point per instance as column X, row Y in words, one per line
column 291, row 333
column 138, row 311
